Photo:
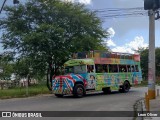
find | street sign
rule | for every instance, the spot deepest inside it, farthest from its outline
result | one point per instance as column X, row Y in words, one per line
column 151, row 4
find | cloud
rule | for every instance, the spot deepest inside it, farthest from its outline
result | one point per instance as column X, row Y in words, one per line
column 80, row 1
column 110, row 43
column 122, row 49
column 130, row 47
column 138, row 42
column 68, row 0
column 111, row 32
column 85, row 1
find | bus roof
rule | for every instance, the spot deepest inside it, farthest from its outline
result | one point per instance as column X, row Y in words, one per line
column 74, row 62
column 105, row 54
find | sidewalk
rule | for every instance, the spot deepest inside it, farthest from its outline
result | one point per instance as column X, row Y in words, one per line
column 154, row 109
column 155, row 104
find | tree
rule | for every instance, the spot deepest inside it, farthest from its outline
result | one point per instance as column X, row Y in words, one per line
column 48, row 31
column 157, row 60
column 144, row 61
column 6, row 65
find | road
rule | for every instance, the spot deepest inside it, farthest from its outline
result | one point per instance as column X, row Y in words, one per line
column 93, row 102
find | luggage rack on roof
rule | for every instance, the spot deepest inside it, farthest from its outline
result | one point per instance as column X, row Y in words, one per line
column 103, row 54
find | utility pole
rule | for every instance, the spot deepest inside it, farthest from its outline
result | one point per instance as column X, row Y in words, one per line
column 151, row 59
column 152, row 6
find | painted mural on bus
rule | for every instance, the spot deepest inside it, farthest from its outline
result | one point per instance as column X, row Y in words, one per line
column 98, row 71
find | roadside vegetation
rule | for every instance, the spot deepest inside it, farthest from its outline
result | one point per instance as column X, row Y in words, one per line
column 39, row 36
column 21, row 91
column 144, row 65
column 144, row 62
column 144, row 83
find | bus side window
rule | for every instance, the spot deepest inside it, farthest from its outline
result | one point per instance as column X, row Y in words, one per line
column 110, row 68
column 136, row 68
column 98, row 68
column 132, row 69
column 122, row 68
column 129, row 68
column 90, row 68
column 105, row 68
column 113, row 68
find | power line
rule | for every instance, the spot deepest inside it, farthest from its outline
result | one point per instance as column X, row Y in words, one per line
column 2, row 6
column 121, row 12
column 117, row 9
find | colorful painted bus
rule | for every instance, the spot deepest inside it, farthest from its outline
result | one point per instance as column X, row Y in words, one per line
column 98, row 71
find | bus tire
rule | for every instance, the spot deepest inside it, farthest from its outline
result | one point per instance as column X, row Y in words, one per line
column 125, row 87
column 59, row 95
column 79, row 91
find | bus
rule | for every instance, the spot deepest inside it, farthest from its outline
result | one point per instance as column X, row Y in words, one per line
column 98, row 71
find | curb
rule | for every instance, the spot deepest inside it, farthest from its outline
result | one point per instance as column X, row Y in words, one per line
column 140, row 107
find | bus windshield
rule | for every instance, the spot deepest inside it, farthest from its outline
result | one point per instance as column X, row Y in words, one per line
column 75, row 69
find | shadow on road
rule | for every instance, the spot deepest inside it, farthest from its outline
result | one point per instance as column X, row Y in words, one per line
column 98, row 94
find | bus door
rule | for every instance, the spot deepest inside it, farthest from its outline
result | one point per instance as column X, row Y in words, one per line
column 136, row 75
column 91, row 80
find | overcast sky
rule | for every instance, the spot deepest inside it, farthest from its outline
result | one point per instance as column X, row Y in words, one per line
column 127, row 32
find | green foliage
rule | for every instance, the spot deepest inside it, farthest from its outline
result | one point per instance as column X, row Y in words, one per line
column 21, row 92
column 157, row 59
column 144, row 62
column 6, row 65
column 47, row 32
column 21, row 67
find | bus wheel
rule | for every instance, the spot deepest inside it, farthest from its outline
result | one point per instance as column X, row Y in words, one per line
column 79, row 90
column 125, row 87
column 106, row 90
column 58, row 95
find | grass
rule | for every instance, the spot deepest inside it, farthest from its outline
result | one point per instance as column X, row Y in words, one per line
column 144, row 83
column 21, row 92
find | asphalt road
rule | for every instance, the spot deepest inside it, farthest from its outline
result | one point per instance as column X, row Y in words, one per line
column 93, row 102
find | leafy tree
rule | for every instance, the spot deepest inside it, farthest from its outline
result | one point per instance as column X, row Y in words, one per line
column 6, row 65
column 144, row 61
column 48, row 31
column 157, row 60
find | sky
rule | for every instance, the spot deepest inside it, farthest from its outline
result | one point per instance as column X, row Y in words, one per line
column 126, row 33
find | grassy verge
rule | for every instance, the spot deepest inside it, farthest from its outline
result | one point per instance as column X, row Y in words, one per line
column 21, row 92
column 144, row 83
